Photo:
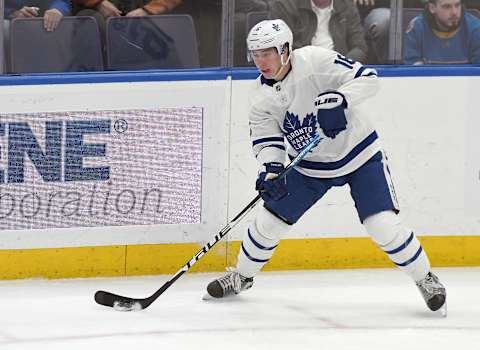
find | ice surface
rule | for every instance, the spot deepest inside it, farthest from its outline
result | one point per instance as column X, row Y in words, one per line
column 327, row 309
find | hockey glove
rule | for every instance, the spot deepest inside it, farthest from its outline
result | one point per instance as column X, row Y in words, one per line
column 269, row 187
column 331, row 113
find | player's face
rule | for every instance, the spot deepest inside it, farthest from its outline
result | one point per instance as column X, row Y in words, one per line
column 447, row 13
column 267, row 61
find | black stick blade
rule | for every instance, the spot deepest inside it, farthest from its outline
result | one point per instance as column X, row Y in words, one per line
column 118, row 302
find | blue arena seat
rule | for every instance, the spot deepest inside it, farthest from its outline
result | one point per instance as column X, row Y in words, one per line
column 165, row 41
column 73, row 47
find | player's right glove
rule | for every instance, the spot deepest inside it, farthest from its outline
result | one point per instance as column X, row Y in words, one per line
column 268, row 185
column 331, row 113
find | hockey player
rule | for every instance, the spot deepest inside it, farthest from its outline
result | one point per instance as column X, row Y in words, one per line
column 301, row 93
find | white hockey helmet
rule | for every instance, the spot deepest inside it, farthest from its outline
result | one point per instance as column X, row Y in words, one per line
column 270, row 33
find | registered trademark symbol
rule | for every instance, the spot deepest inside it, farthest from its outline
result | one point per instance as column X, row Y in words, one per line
column 120, row 126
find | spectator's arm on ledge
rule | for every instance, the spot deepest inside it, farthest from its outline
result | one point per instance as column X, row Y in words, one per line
column 63, row 6
column 156, row 7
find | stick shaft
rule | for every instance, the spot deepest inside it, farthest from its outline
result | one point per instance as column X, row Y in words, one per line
column 109, row 299
column 247, row 209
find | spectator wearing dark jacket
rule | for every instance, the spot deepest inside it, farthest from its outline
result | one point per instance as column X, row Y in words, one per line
column 333, row 24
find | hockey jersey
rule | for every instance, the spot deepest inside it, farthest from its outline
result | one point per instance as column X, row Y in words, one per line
column 283, row 117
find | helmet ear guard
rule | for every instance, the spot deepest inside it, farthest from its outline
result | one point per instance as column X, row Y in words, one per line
column 283, row 51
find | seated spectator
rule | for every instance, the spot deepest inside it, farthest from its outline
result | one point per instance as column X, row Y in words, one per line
column 51, row 11
column 333, row 24
column 206, row 14
column 137, row 8
column 444, row 34
column 103, row 9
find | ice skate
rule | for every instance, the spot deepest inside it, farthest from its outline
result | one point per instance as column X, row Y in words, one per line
column 230, row 284
column 433, row 293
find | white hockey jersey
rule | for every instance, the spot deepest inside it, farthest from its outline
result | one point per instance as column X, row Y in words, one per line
column 284, row 113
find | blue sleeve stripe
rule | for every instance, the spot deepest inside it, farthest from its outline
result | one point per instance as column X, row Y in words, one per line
column 402, row 247
column 409, row 261
column 258, row 245
column 359, row 72
column 251, row 258
column 282, row 147
column 343, row 64
column 268, row 139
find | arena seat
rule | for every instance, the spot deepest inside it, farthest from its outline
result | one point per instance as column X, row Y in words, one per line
column 73, row 47
column 152, row 42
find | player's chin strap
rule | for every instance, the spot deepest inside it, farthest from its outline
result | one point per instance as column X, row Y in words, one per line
column 281, row 71
column 284, row 66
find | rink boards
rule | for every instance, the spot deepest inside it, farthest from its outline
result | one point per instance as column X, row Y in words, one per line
column 131, row 174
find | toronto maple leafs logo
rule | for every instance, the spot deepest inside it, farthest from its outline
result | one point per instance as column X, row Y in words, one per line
column 299, row 134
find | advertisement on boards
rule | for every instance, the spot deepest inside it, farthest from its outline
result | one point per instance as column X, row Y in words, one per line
column 100, row 168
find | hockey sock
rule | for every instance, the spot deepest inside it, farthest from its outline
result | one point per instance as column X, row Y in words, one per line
column 399, row 243
column 259, row 243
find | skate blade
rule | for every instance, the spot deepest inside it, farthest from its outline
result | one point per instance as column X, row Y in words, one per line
column 208, row 297
column 442, row 312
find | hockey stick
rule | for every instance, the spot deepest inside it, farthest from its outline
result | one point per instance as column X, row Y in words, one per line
column 121, row 303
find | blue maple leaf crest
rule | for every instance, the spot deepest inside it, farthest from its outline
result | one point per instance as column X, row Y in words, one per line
column 291, row 122
column 299, row 134
column 310, row 120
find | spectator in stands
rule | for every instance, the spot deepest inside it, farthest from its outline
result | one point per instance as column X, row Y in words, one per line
column 444, row 34
column 206, row 14
column 51, row 11
column 333, row 24
column 114, row 8
column 101, row 10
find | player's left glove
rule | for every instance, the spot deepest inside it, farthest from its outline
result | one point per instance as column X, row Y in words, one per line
column 331, row 113
column 268, row 185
